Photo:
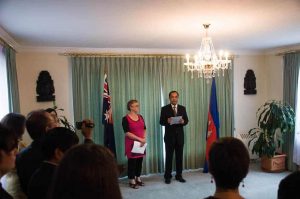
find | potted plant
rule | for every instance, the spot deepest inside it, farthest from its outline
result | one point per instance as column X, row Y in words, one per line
column 274, row 120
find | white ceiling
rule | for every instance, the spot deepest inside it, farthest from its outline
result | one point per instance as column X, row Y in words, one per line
column 152, row 24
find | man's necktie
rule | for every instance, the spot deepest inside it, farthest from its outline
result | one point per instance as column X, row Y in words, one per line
column 174, row 111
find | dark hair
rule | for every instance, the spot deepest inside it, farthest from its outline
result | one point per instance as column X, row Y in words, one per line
column 8, row 140
column 130, row 102
column 86, row 171
column 51, row 110
column 14, row 122
column 289, row 186
column 228, row 162
column 59, row 137
column 173, row 92
column 36, row 123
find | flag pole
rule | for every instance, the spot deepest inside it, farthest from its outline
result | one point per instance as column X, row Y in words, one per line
column 105, row 69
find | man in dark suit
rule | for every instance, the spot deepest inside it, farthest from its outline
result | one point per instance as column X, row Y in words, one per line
column 174, row 135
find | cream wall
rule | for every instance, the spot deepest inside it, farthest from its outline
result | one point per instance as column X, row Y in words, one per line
column 268, row 70
column 246, row 105
column 28, row 67
column 275, row 74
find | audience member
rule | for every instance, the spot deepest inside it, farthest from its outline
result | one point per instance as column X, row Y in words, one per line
column 229, row 164
column 15, row 122
column 37, row 124
column 55, row 143
column 53, row 113
column 289, row 187
column 86, row 171
column 8, row 151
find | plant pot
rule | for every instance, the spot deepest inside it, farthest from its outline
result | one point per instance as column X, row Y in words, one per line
column 274, row 164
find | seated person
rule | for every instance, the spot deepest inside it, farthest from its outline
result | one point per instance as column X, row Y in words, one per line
column 8, row 151
column 229, row 164
column 86, row 171
column 289, row 187
column 55, row 143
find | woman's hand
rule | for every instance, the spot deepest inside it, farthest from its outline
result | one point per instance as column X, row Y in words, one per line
column 142, row 141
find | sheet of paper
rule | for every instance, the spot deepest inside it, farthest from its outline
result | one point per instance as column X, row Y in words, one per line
column 137, row 148
column 176, row 120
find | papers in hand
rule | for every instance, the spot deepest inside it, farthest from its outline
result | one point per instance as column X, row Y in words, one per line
column 176, row 120
column 137, row 148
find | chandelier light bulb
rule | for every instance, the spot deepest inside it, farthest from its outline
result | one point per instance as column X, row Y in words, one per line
column 221, row 53
column 226, row 55
column 187, row 56
column 199, row 54
column 195, row 58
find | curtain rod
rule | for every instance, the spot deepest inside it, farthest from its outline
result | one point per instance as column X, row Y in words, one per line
column 83, row 54
column 289, row 51
column 3, row 42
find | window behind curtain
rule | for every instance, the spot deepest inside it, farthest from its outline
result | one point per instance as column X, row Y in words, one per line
column 4, row 103
column 296, row 157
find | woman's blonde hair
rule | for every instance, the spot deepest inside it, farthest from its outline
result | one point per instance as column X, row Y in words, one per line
column 130, row 102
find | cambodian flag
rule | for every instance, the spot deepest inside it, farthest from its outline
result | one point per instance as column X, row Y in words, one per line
column 213, row 124
column 107, row 121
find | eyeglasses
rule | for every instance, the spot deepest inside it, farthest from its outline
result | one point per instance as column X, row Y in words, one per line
column 135, row 105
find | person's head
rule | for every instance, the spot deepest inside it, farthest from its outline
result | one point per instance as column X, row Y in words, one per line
column 8, row 149
column 173, row 97
column 289, row 187
column 14, row 122
column 53, row 113
column 228, row 162
column 133, row 105
column 86, row 171
column 56, row 142
column 38, row 123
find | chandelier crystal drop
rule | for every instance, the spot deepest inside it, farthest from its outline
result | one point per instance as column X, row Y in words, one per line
column 206, row 63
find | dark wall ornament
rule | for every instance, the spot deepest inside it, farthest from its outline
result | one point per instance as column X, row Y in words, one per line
column 45, row 87
column 250, row 83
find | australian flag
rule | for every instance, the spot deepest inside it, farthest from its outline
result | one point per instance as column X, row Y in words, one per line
column 107, row 120
column 213, row 124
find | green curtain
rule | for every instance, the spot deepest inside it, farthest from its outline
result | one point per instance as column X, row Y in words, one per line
column 149, row 80
column 194, row 94
column 128, row 78
column 87, row 83
column 290, row 86
column 13, row 89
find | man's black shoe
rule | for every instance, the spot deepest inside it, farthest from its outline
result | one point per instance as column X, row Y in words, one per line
column 167, row 180
column 180, row 179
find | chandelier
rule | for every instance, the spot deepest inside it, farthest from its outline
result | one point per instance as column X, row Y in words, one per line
column 206, row 63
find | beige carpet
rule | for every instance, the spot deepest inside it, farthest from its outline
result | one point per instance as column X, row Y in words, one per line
column 258, row 185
